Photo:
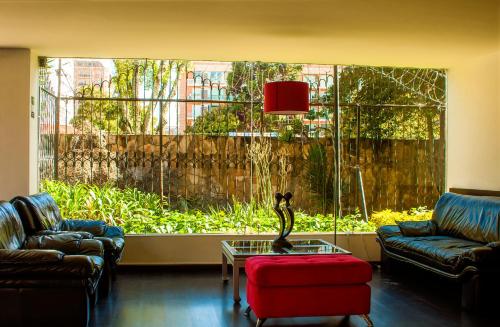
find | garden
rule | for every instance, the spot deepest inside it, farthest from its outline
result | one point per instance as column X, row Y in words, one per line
column 192, row 152
column 139, row 212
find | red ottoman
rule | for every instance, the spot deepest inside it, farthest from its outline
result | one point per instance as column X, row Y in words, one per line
column 313, row 285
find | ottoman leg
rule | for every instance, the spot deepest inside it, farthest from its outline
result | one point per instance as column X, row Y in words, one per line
column 247, row 311
column 260, row 322
column 369, row 322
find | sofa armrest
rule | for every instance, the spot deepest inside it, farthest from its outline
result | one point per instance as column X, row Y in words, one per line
column 30, row 257
column 480, row 255
column 417, row 228
column 494, row 245
column 84, row 235
column 112, row 245
column 384, row 232
column 67, row 243
column 94, row 227
column 83, row 265
column 114, row 231
column 47, row 265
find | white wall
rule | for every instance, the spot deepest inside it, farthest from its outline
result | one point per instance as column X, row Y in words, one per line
column 33, row 138
column 474, row 123
column 17, row 134
column 206, row 249
column 474, row 117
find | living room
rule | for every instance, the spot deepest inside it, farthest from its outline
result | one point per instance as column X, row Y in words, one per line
column 240, row 163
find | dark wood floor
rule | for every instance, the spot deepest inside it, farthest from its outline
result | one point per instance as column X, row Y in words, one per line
column 196, row 297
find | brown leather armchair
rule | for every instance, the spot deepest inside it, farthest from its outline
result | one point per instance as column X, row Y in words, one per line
column 41, row 216
column 39, row 273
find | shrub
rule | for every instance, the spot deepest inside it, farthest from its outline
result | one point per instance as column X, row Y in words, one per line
column 141, row 213
column 389, row 217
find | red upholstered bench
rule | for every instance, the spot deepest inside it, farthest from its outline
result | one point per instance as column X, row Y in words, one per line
column 313, row 285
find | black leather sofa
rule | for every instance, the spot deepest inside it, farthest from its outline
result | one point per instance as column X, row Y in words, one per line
column 461, row 242
column 41, row 216
column 46, row 280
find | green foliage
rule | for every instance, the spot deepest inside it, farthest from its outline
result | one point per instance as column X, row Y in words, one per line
column 246, row 83
column 389, row 217
column 288, row 132
column 141, row 213
column 246, row 79
column 102, row 115
column 216, row 121
column 379, row 85
column 129, row 208
column 132, row 79
column 319, row 175
column 374, row 87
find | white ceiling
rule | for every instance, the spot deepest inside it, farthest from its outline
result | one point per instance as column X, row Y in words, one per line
column 425, row 33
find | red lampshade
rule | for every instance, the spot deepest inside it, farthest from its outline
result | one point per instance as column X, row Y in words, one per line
column 286, row 98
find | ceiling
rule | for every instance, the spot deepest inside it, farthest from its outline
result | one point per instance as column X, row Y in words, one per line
column 424, row 33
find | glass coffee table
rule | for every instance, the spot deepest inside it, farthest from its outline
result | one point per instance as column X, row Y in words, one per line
column 236, row 253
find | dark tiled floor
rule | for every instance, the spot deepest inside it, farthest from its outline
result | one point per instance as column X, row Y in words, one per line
column 197, row 297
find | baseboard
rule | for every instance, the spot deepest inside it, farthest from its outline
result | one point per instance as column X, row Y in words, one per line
column 168, row 267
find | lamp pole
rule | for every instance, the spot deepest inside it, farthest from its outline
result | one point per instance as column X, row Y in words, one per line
column 336, row 103
column 57, row 121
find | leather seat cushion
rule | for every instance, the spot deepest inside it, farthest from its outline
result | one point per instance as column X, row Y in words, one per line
column 113, row 247
column 74, row 266
column 311, row 270
column 449, row 253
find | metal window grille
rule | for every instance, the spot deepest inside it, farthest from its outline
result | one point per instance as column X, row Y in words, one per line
column 165, row 126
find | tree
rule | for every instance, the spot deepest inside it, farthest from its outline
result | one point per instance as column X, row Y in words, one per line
column 152, row 80
column 420, row 92
column 102, row 115
column 246, row 83
column 218, row 120
column 159, row 82
column 246, row 79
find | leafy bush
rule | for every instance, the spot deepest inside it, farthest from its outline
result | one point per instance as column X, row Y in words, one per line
column 389, row 217
column 216, row 121
column 141, row 213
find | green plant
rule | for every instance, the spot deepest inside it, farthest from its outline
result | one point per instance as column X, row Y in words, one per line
column 215, row 121
column 288, row 131
column 320, row 175
column 286, row 135
column 389, row 217
column 141, row 213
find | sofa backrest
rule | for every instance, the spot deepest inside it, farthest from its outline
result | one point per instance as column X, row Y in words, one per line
column 12, row 234
column 476, row 218
column 38, row 212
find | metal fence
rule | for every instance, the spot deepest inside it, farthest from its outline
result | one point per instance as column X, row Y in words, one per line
column 191, row 132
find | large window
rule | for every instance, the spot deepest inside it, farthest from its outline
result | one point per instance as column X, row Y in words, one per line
column 173, row 146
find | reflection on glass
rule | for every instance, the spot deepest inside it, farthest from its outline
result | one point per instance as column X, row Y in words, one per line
column 256, row 247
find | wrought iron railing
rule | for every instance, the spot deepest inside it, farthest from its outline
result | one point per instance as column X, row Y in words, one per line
column 188, row 138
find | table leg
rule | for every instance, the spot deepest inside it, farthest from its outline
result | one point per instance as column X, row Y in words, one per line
column 236, row 282
column 225, row 278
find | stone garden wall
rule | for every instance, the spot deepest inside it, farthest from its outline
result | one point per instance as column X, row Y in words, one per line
column 397, row 174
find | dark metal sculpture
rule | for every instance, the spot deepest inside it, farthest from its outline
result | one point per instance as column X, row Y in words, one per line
column 286, row 219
